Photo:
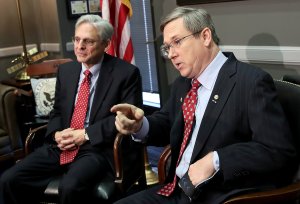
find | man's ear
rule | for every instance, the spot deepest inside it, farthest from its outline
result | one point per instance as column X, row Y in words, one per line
column 107, row 45
column 206, row 34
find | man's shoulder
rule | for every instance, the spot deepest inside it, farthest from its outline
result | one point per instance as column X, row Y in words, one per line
column 244, row 67
column 69, row 64
column 118, row 62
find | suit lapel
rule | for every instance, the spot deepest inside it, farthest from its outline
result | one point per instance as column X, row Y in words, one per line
column 104, row 82
column 222, row 89
column 73, row 77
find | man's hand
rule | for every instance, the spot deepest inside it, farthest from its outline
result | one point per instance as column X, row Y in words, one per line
column 202, row 169
column 69, row 139
column 129, row 118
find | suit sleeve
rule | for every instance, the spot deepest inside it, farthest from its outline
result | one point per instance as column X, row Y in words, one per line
column 126, row 88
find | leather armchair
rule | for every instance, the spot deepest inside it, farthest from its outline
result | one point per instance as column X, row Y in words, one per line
column 292, row 78
column 10, row 136
column 129, row 170
column 289, row 97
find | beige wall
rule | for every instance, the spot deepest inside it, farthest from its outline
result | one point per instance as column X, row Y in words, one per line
column 40, row 22
column 250, row 23
column 240, row 23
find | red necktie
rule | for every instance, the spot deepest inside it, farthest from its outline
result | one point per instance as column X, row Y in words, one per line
column 188, row 108
column 79, row 115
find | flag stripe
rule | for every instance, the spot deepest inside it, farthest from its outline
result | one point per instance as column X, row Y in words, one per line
column 118, row 13
column 128, row 56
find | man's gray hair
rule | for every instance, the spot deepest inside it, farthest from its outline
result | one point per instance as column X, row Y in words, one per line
column 194, row 20
column 104, row 28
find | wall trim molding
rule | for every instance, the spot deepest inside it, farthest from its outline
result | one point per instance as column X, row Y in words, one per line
column 50, row 47
column 17, row 50
column 286, row 55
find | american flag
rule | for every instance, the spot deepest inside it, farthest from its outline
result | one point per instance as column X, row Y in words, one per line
column 118, row 12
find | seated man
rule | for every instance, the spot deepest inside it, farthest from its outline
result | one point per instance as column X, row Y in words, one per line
column 81, row 130
column 223, row 121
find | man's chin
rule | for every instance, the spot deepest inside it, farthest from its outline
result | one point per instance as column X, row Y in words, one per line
column 81, row 60
column 183, row 74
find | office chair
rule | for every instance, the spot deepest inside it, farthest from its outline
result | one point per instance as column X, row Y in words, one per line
column 292, row 78
column 129, row 170
column 11, row 147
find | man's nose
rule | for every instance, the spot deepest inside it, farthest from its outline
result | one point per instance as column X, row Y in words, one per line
column 171, row 53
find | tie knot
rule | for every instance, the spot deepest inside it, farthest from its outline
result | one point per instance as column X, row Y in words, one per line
column 87, row 73
column 195, row 84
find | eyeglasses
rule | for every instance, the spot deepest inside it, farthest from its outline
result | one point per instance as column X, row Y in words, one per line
column 85, row 42
column 165, row 49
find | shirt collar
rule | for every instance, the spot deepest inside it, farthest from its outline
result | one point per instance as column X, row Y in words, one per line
column 95, row 69
column 209, row 75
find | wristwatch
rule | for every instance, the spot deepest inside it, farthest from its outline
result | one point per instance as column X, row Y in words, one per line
column 86, row 136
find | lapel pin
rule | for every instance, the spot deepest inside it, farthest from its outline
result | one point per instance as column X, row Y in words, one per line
column 181, row 99
column 216, row 97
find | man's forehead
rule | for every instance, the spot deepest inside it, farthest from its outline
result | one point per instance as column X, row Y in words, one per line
column 86, row 30
column 174, row 29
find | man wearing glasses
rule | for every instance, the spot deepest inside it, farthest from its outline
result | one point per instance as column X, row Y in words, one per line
column 81, row 130
column 225, row 126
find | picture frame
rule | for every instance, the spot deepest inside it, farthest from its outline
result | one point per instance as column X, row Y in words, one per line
column 193, row 2
column 77, row 8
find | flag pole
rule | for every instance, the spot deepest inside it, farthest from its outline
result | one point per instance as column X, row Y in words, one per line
column 25, row 58
column 22, row 75
column 151, row 177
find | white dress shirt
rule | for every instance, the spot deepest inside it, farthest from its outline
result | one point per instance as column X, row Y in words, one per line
column 207, row 79
column 95, row 71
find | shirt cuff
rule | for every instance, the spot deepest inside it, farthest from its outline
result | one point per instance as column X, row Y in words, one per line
column 216, row 166
column 141, row 135
column 216, row 161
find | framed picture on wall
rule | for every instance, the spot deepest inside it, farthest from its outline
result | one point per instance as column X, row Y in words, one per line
column 192, row 2
column 77, row 8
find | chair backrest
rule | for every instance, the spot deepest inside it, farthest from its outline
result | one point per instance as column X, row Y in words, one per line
column 289, row 97
column 42, row 78
column 292, row 78
column 10, row 134
column 45, row 68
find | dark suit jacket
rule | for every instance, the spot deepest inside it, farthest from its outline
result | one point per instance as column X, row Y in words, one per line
column 118, row 82
column 245, row 125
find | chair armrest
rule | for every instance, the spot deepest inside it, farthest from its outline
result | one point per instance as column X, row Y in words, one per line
column 129, row 162
column 118, row 156
column 280, row 195
column 35, row 138
column 163, row 164
column 20, row 92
